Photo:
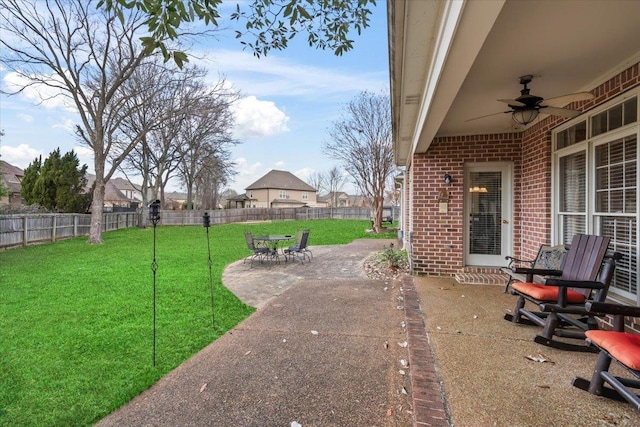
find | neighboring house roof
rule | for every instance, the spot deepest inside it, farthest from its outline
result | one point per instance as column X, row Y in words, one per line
column 111, row 192
column 281, row 180
column 11, row 176
column 177, row 196
column 288, row 202
column 239, row 198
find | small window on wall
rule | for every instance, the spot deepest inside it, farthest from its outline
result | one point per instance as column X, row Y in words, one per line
column 283, row 194
column 615, row 117
column 305, row 195
column 572, row 135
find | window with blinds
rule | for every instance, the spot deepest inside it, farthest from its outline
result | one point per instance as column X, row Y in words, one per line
column 573, row 178
column 600, row 155
column 616, row 205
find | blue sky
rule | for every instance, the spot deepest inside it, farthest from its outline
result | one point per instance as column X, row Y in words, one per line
column 289, row 100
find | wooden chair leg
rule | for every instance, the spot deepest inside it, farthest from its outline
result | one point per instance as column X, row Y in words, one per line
column 597, row 382
column 550, row 326
column 516, row 316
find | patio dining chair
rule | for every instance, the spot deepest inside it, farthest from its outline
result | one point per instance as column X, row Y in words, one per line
column 257, row 252
column 299, row 249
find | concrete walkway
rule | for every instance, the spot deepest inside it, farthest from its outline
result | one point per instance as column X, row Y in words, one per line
column 321, row 350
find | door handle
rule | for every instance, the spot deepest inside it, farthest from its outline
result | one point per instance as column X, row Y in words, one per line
column 504, row 221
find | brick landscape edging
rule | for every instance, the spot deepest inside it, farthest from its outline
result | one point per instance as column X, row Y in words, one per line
column 429, row 406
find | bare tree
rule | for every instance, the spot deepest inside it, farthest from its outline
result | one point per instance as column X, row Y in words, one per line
column 361, row 141
column 335, row 179
column 316, row 180
column 84, row 56
column 152, row 86
column 173, row 95
column 206, row 134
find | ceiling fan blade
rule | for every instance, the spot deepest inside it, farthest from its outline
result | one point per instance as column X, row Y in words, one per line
column 561, row 101
column 512, row 102
column 562, row 112
column 488, row 115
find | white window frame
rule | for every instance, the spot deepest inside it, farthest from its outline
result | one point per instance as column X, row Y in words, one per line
column 592, row 217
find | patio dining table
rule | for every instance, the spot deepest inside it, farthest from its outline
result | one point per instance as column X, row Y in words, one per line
column 272, row 241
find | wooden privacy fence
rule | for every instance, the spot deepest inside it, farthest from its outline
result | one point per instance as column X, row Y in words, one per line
column 228, row 216
column 26, row 229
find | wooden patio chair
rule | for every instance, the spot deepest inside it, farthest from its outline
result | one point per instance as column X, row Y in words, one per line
column 585, row 277
column 618, row 345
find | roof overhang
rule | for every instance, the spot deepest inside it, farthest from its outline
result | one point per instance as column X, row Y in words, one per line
column 451, row 60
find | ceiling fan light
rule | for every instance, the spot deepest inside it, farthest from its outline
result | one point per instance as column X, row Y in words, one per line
column 525, row 116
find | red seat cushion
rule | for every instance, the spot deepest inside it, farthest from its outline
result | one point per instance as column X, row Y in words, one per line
column 547, row 293
column 622, row 346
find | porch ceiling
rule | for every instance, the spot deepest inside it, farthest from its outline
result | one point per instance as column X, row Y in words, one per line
column 450, row 61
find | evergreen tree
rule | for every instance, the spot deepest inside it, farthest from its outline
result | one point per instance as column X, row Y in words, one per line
column 57, row 183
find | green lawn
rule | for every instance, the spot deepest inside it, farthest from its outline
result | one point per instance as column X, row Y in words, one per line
column 76, row 320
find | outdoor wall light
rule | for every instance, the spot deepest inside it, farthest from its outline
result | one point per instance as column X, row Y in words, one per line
column 447, row 178
column 524, row 116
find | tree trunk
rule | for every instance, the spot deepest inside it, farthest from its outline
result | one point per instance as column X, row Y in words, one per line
column 377, row 217
column 97, row 204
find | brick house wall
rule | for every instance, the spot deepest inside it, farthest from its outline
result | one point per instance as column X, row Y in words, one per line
column 438, row 240
column 437, row 247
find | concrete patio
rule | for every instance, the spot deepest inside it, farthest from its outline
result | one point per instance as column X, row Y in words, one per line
column 322, row 350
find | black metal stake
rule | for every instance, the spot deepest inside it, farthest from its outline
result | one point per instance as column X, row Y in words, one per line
column 206, row 222
column 154, row 217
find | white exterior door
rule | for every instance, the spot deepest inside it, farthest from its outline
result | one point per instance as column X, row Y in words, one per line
column 488, row 225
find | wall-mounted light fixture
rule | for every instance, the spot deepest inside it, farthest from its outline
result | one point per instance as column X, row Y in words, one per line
column 447, row 178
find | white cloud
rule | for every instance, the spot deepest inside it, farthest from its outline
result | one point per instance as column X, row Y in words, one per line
column 278, row 76
column 19, row 156
column 28, row 118
column 279, row 164
column 38, row 92
column 85, row 156
column 246, row 169
column 67, row 124
column 248, row 173
column 255, row 118
column 304, row 173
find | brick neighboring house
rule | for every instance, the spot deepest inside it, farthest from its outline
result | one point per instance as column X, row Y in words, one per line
column 11, row 178
column 278, row 189
column 474, row 191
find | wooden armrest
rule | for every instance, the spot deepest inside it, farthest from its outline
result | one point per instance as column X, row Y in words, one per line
column 552, row 281
column 615, row 309
column 557, row 308
column 538, row 271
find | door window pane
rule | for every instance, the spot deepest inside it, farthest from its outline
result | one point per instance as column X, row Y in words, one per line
column 485, row 197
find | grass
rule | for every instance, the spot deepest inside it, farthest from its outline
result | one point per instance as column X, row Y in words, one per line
column 76, row 320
